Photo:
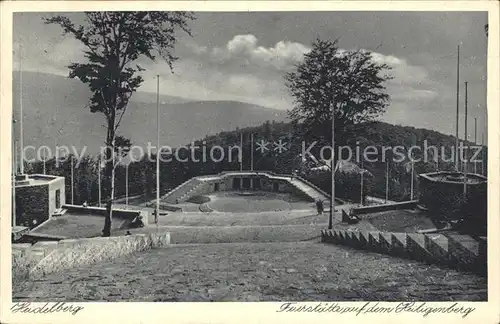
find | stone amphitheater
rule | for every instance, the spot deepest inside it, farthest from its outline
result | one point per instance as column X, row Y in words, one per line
column 266, row 243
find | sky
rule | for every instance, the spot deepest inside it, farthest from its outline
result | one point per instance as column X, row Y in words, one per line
column 244, row 56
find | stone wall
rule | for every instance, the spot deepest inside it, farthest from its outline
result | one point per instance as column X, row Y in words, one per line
column 444, row 199
column 268, row 182
column 101, row 211
column 46, row 257
column 385, row 207
column 54, row 185
column 36, row 202
column 32, row 205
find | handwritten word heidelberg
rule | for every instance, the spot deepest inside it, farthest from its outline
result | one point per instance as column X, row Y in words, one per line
column 47, row 308
column 406, row 307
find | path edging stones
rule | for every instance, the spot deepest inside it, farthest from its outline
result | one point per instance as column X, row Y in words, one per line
column 455, row 251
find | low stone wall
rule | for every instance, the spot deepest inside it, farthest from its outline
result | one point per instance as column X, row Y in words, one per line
column 456, row 251
column 205, row 208
column 386, row 207
column 204, row 185
column 46, row 257
column 101, row 211
column 244, row 234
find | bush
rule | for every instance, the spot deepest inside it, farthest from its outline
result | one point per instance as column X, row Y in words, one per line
column 199, row 200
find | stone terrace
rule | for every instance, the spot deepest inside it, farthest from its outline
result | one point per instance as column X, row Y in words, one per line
column 297, row 271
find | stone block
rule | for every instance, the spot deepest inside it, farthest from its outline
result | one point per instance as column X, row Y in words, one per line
column 341, row 236
column 71, row 253
column 21, row 246
column 330, row 236
column 364, row 240
column 374, row 241
column 335, row 237
column 356, row 240
column 385, row 242
column 415, row 246
column 68, row 242
column 398, row 241
column 348, row 238
column 464, row 252
column 323, row 236
column 47, row 246
column 437, row 245
column 482, row 260
column 159, row 239
column 164, row 240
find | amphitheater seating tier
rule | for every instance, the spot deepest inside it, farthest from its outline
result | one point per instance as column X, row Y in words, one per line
column 195, row 185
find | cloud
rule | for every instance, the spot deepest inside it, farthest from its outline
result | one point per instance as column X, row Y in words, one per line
column 242, row 44
column 242, row 70
column 243, row 50
column 239, row 69
column 49, row 57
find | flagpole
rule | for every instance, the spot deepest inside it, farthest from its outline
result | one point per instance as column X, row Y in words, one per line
column 16, row 157
column 157, row 216
column 387, row 182
column 361, row 190
column 126, row 184
column 21, row 135
column 44, row 162
column 412, row 178
column 466, row 143
column 72, row 182
column 458, row 108
column 475, row 142
column 482, row 153
column 332, row 199
column 14, row 172
column 241, row 150
column 99, row 178
column 251, row 153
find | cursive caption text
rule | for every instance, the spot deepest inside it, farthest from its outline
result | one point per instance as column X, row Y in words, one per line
column 47, row 308
column 373, row 307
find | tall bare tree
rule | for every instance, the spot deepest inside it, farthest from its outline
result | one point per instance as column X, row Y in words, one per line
column 113, row 42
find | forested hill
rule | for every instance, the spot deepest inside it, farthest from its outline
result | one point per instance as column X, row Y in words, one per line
column 378, row 134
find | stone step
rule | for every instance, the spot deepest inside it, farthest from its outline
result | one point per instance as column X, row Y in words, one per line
column 457, row 251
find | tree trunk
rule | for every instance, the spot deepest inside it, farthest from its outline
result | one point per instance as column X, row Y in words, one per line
column 109, row 175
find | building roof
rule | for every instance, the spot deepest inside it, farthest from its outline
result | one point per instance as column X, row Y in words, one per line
column 36, row 179
column 75, row 225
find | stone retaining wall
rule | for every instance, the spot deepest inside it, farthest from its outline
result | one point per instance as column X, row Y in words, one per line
column 47, row 257
column 101, row 211
column 456, row 251
column 385, row 207
column 204, row 185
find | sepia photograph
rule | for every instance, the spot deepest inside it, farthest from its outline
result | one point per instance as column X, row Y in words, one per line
column 286, row 156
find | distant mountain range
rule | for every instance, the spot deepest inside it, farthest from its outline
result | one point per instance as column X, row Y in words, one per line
column 56, row 113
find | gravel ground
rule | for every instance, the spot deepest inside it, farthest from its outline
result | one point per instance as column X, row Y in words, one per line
column 297, row 271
